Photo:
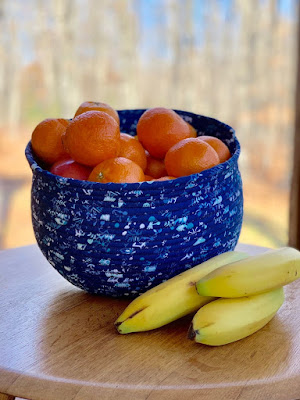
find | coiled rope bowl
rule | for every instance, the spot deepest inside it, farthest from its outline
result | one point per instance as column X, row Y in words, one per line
column 122, row 239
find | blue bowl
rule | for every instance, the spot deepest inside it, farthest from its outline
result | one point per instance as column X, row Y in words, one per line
column 121, row 239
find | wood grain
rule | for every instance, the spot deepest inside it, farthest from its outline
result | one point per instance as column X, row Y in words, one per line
column 57, row 342
column 6, row 397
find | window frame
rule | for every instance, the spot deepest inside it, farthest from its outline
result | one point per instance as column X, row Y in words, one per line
column 294, row 210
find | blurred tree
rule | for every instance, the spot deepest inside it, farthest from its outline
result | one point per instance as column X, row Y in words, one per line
column 126, row 50
column 2, row 60
column 12, row 99
column 44, row 43
column 65, row 62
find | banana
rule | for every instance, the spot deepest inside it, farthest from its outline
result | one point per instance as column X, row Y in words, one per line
column 226, row 320
column 171, row 299
column 253, row 275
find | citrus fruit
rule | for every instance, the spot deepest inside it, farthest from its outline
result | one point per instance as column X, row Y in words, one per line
column 96, row 106
column 159, row 128
column 118, row 170
column 92, row 137
column 46, row 140
column 69, row 168
column 64, row 121
column 148, row 178
column 133, row 150
column 220, row 147
column 193, row 132
column 190, row 156
column 165, row 178
column 155, row 168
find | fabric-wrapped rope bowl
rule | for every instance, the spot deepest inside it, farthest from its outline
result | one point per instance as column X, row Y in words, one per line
column 122, row 239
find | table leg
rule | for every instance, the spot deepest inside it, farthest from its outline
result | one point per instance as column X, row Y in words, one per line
column 4, row 396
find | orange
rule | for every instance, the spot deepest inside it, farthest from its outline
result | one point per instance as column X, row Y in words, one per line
column 220, row 147
column 46, row 140
column 64, row 121
column 149, row 178
column 155, row 168
column 165, row 178
column 133, row 150
column 95, row 106
column 193, row 132
column 159, row 128
column 92, row 137
column 189, row 157
column 118, row 170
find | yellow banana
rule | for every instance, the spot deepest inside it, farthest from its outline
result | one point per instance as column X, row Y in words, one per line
column 226, row 320
column 252, row 275
column 171, row 299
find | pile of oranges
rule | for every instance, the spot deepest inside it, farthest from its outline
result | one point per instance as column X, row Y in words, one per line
column 91, row 147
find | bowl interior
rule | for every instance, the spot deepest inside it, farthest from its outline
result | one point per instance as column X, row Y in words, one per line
column 128, row 122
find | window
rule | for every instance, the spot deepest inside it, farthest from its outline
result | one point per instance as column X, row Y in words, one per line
column 234, row 60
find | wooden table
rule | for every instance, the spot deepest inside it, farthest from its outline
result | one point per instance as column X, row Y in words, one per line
column 57, row 342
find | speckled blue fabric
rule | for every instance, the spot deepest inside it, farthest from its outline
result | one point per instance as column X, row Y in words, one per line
column 121, row 239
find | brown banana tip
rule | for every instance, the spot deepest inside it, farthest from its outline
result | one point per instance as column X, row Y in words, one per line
column 191, row 333
column 117, row 326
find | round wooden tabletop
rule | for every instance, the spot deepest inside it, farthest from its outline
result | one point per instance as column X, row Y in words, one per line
column 57, row 342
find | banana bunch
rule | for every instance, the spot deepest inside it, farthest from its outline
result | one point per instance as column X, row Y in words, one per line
column 235, row 295
column 172, row 299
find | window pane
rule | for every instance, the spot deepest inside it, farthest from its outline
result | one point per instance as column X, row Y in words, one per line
column 234, row 60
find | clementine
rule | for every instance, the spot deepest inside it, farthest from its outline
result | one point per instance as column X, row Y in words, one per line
column 133, row 150
column 96, row 106
column 149, row 178
column 92, row 137
column 46, row 140
column 155, row 168
column 159, row 128
column 220, row 147
column 118, row 170
column 190, row 156
column 64, row 121
column 193, row 132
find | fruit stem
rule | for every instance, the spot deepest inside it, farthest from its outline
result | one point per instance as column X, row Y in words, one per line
column 101, row 176
column 191, row 333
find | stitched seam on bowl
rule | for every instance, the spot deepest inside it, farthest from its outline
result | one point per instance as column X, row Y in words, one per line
column 206, row 220
column 159, row 203
column 112, row 256
column 144, row 211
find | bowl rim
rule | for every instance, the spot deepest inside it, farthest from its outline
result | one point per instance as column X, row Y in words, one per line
column 203, row 176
